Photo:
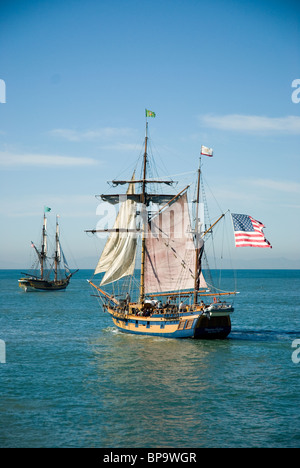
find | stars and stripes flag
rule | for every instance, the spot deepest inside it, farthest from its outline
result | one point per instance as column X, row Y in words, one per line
column 248, row 232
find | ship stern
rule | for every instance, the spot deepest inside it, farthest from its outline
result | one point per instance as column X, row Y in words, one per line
column 210, row 328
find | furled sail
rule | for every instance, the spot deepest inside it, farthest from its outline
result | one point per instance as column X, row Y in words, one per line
column 44, row 238
column 170, row 250
column 118, row 257
column 58, row 249
column 138, row 198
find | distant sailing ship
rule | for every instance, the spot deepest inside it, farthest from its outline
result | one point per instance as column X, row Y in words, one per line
column 172, row 298
column 53, row 272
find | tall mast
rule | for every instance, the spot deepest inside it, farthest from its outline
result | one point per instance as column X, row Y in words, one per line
column 144, row 218
column 56, row 258
column 196, row 284
column 44, row 247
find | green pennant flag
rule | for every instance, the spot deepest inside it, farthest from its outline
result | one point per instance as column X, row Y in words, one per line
column 47, row 209
column 150, row 113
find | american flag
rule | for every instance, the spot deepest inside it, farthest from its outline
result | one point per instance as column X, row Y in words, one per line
column 248, row 232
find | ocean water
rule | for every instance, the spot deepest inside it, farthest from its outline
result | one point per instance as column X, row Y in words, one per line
column 72, row 380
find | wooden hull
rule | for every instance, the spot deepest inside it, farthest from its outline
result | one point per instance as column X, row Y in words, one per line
column 191, row 324
column 217, row 327
column 35, row 284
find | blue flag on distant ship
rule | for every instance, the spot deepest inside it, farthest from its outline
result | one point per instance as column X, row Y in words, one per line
column 248, row 232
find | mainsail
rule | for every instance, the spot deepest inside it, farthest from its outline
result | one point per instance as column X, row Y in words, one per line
column 170, row 250
column 118, row 257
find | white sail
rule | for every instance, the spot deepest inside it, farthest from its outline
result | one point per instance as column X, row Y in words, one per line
column 170, row 251
column 118, row 256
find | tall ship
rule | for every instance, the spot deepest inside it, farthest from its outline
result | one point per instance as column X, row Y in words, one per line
column 50, row 271
column 164, row 290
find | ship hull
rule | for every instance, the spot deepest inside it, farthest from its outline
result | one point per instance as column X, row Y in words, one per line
column 212, row 328
column 178, row 325
column 35, row 284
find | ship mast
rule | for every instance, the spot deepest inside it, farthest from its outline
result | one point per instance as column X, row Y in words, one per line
column 56, row 258
column 144, row 218
column 43, row 251
column 196, row 284
column 144, row 198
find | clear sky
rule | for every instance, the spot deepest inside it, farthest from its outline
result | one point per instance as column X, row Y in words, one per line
column 78, row 77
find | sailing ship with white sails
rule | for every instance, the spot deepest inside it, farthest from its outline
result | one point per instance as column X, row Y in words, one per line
column 49, row 272
column 172, row 298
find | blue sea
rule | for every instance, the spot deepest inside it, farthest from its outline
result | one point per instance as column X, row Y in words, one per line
column 70, row 379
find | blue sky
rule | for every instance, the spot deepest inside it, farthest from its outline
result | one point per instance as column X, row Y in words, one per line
column 78, row 77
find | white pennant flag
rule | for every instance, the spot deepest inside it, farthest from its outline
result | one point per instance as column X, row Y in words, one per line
column 206, row 151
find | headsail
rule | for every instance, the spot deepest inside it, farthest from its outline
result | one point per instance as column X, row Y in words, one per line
column 118, row 257
column 170, row 250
